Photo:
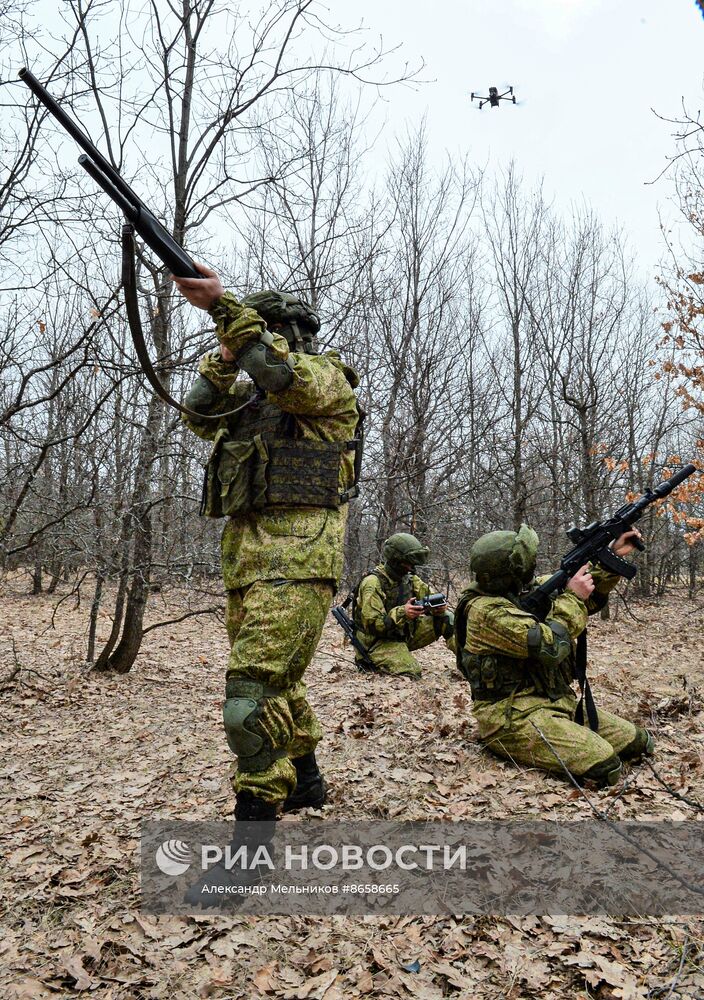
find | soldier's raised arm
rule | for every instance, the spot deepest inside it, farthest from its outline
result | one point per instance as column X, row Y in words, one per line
column 271, row 336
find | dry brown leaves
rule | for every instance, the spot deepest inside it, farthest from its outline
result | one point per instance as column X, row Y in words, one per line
column 86, row 758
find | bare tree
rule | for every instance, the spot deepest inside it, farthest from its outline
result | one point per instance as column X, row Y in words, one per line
column 414, row 333
column 515, row 228
column 209, row 82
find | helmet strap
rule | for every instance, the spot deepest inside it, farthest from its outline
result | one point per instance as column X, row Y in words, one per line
column 297, row 338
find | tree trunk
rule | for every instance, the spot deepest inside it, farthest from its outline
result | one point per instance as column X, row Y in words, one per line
column 93, row 622
column 125, row 653
column 103, row 661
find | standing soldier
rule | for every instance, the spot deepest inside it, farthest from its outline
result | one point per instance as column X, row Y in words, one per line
column 389, row 619
column 281, row 470
column 520, row 669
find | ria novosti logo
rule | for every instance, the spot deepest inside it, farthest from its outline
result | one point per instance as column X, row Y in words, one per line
column 173, row 857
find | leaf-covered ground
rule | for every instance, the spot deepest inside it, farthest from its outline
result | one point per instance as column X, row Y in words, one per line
column 85, row 758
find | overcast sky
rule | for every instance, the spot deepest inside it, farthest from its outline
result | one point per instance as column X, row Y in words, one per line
column 587, row 74
column 588, row 71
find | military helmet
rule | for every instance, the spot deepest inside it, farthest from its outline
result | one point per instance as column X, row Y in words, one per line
column 402, row 550
column 299, row 321
column 503, row 561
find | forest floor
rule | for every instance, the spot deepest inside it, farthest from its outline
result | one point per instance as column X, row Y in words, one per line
column 86, row 757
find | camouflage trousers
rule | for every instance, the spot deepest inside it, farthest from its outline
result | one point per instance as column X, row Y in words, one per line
column 274, row 627
column 509, row 728
column 394, row 657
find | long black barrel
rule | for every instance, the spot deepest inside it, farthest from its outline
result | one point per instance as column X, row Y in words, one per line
column 668, row 485
column 593, row 542
column 102, row 171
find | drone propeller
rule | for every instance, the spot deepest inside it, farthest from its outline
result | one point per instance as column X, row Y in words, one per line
column 496, row 94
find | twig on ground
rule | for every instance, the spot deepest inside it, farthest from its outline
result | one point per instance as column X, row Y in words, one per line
column 685, row 949
column 189, row 614
column 661, row 989
column 601, row 815
column 75, row 591
column 624, row 601
column 677, row 795
column 627, row 780
column 7, row 682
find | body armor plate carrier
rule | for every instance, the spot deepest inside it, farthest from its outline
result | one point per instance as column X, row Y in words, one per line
column 261, row 460
column 493, row 676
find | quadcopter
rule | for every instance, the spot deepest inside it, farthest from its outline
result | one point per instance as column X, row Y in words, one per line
column 494, row 97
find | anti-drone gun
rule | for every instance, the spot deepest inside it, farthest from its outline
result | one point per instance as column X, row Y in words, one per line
column 140, row 220
column 108, row 178
column 592, row 544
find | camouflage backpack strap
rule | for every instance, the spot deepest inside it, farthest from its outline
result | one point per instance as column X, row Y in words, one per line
column 461, row 628
column 353, row 594
column 355, row 444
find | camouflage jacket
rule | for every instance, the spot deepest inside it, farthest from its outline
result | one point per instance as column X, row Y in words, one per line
column 286, row 542
column 496, row 658
column 379, row 607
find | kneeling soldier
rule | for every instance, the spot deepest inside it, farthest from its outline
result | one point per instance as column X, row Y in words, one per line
column 389, row 614
column 521, row 670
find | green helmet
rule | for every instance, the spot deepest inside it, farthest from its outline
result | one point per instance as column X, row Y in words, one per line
column 503, row 561
column 402, row 550
column 300, row 322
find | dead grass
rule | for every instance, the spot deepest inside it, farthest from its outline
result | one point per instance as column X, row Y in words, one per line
column 87, row 757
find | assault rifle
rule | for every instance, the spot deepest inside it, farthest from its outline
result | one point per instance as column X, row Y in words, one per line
column 347, row 626
column 592, row 544
column 104, row 174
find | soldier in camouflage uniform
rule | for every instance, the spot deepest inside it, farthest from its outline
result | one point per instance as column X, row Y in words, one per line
column 281, row 471
column 520, row 669
column 389, row 622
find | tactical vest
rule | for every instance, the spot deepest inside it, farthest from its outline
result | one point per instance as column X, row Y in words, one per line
column 493, row 676
column 261, row 460
column 394, row 594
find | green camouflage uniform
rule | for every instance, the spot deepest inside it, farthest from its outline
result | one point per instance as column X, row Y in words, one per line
column 521, row 681
column 383, row 627
column 281, row 559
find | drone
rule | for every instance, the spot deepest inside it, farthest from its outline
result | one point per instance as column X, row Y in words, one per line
column 494, row 97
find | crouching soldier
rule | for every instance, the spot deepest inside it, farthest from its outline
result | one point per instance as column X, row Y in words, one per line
column 521, row 669
column 389, row 615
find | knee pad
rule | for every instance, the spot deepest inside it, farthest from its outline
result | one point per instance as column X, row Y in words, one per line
column 642, row 745
column 257, row 724
column 606, row 772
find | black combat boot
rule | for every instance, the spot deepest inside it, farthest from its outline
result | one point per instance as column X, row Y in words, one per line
column 255, row 823
column 606, row 772
column 642, row 746
column 251, row 809
column 310, row 790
